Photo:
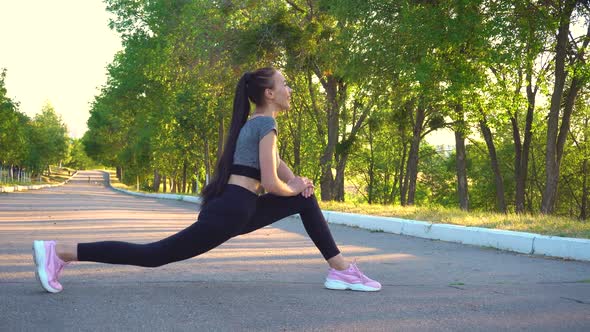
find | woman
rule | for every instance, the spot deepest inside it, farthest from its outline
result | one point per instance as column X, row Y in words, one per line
column 231, row 202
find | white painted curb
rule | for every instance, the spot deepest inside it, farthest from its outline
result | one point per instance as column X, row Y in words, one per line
column 563, row 247
column 501, row 239
column 34, row 187
column 521, row 242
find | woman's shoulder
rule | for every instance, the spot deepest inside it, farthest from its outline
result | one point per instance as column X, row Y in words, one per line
column 264, row 124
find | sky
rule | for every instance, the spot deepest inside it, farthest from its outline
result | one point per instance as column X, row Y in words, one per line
column 57, row 52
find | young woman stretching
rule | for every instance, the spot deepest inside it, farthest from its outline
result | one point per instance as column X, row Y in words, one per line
column 231, row 202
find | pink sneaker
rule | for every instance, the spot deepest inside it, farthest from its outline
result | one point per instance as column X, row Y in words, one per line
column 48, row 265
column 351, row 278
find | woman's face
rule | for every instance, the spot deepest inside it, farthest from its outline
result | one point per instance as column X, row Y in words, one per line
column 281, row 92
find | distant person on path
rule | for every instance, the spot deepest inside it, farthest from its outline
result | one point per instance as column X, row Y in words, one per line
column 233, row 203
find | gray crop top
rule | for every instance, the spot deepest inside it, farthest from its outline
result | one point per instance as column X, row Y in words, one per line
column 247, row 145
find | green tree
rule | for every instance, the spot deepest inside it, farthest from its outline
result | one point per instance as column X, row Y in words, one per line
column 78, row 159
column 14, row 146
column 49, row 140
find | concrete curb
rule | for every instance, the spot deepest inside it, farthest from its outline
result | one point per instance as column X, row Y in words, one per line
column 520, row 242
column 34, row 187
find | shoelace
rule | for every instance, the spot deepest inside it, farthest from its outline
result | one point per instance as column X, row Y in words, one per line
column 358, row 272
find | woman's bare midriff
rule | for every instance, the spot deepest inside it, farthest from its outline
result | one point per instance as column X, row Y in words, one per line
column 249, row 183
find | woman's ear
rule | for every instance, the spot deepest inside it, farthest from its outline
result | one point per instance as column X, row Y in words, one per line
column 269, row 94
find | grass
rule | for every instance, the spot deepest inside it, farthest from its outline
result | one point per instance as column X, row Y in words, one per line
column 540, row 224
column 58, row 175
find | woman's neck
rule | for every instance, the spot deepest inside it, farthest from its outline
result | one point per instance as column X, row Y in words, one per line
column 265, row 111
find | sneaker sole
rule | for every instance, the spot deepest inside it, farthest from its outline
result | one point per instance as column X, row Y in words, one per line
column 341, row 285
column 40, row 273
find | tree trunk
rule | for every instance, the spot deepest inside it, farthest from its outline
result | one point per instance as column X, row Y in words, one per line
column 583, row 209
column 399, row 179
column 564, row 128
column 342, row 156
column 534, row 179
column 184, row 177
column 327, row 181
column 336, row 95
column 173, row 184
column 517, row 149
column 487, row 134
column 340, row 177
column 207, row 162
column 371, row 167
column 461, row 164
column 568, row 109
column 119, row 172
column 165, row 183
column 220, row 138
column 412, row 168
column 297, row 148
column 522, row 172
column 551, row 154
column 156, row 186
column 293, row 123
column 404, row 184
column 195, row 182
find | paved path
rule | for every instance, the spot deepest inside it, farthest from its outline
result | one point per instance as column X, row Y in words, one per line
column 269, row 280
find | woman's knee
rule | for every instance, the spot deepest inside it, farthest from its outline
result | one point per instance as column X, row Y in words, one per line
column 311, row 200
column 308, row 203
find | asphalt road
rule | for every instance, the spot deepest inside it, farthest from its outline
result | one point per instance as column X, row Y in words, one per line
column 269, row 280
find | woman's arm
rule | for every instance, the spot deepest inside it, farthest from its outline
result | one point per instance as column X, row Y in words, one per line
column 285, row 172
column 286, row 175
column 268, row 170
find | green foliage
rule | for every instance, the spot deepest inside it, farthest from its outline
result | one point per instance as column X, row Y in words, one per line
column 78, row 159
column 48, row 137
column 371, row 64
column 437, row 182
column 13, row 129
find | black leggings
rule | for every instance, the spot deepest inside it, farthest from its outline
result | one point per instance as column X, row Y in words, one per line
column 236, row 211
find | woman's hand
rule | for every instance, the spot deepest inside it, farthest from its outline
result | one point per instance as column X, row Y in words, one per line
column 301, row 185
column 307, row 192
column 297, row 184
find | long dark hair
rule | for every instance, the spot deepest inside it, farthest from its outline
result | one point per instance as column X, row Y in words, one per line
column 251, row 87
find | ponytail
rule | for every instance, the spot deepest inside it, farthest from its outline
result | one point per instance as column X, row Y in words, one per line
column 239, row 118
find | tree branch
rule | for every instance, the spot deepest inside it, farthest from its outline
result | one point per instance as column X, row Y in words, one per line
column 297, row 8
column 318, row 73
column 566, row 178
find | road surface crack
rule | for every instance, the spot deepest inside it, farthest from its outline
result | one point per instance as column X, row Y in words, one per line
column 575, row 300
